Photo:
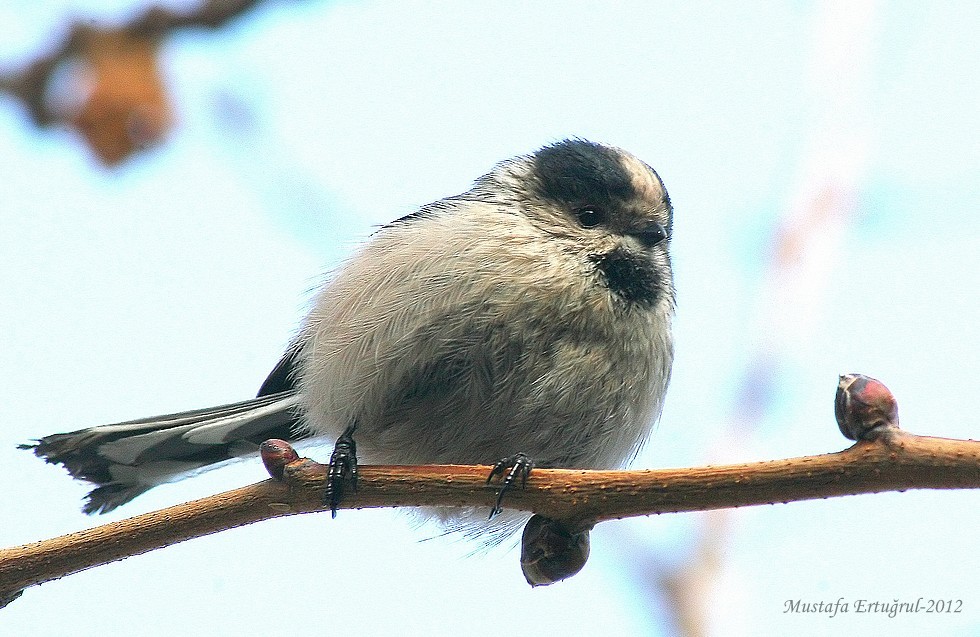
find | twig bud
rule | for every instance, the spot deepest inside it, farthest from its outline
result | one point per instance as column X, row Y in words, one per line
column 276, row 454
column 550, row 552
column 864, row 407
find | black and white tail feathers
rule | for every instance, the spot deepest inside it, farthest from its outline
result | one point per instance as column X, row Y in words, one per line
column 126, row 459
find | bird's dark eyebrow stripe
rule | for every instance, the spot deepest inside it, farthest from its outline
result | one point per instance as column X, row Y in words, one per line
column 573, row 171
column 577, row 171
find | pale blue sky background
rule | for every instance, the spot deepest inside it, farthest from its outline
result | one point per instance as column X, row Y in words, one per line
column 176, row 280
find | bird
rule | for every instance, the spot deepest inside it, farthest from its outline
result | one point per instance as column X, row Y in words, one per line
column 523, row 323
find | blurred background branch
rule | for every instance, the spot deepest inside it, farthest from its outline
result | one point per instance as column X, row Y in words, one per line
column 112, row 91
column 802, row 246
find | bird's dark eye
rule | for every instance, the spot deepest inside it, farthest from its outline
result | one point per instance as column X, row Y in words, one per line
column 652, row 235
column 590, row 216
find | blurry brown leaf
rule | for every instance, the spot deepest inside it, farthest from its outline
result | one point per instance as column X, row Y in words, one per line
column 126, row 108
column 113, row 93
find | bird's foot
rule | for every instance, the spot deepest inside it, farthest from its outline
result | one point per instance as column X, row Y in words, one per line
column 511, row 469
column 342, row 468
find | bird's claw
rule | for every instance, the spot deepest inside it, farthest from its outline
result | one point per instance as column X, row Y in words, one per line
column 512, row 468
column 342, row 467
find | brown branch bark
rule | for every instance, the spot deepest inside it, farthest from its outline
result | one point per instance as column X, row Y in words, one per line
column 892, row 461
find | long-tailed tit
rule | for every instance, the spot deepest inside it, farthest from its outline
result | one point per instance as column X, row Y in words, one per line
column 527, row 319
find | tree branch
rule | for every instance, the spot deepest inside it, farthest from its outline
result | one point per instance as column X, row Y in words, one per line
column 884, row 459
column 894, row 462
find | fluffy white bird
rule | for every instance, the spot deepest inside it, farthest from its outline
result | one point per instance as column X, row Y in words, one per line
column 526, row 320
